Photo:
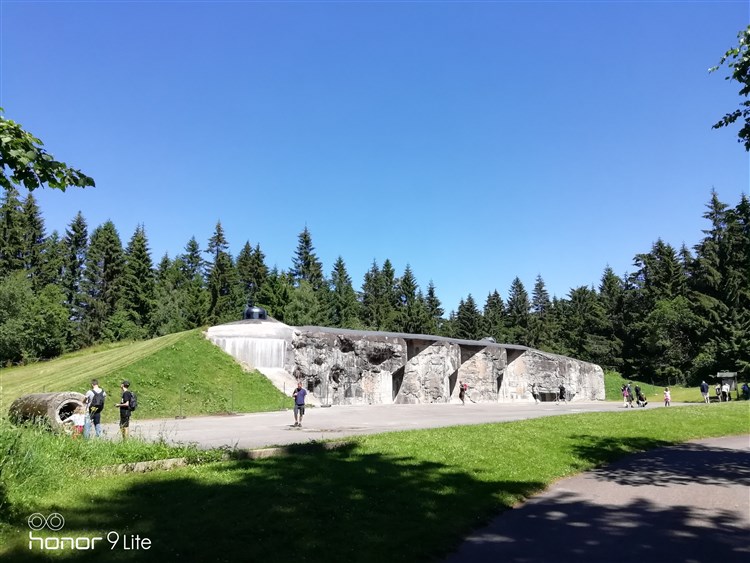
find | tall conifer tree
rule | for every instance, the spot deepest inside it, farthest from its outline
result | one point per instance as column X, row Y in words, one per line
column 76, row 245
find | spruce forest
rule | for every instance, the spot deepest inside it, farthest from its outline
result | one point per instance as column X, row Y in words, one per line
column 680, row 315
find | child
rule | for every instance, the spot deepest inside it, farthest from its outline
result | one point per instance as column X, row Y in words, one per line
column 78, row 418
column 667, row 397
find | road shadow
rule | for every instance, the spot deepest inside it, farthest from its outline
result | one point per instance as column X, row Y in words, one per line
column 680, row 464
column 620, row 517
column 563, row 528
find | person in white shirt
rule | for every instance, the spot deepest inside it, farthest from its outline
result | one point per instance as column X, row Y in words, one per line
column 94, row 401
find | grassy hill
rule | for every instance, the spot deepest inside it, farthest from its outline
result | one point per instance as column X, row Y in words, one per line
column 613, row 383
column 177, row 374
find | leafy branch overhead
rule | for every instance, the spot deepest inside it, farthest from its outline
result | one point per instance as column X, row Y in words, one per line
column 737, row 60
column 24, row 162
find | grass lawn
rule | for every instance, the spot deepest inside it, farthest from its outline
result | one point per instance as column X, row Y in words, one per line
column 613, row 383
column 407, row 496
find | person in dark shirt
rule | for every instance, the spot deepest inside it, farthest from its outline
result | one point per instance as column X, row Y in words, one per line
column 299, row 404
column 124, row 406
column 561, row 394
column 704, row 392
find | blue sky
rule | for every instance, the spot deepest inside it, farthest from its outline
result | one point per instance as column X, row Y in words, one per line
column 476, row 141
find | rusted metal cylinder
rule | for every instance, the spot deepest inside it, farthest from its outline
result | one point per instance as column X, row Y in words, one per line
column 53, row 408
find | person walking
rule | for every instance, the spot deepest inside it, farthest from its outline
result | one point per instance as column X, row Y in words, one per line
column 704, row 392
column 535, row 393
column 94, row 401
column 667, row 397
column 125, row 405
column 725, row 394
column 561, row 394
column 462, row 392
column 299, row 404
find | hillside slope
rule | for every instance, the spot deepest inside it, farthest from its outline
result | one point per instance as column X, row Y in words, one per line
column 179, row 374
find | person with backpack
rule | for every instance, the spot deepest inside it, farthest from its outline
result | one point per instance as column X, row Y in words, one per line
column 127, row 404
column 94, row 401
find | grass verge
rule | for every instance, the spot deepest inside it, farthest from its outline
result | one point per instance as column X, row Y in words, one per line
column 406, row 496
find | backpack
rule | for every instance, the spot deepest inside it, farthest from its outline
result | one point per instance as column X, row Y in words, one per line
column 133, row 401
column 97, row 401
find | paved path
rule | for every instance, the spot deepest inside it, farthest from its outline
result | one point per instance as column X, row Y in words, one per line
column 687, row 503
column 259, row 430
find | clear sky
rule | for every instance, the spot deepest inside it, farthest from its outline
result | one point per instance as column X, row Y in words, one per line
column 476, row 141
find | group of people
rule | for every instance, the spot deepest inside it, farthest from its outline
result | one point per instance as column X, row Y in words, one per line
column 722, row 391
column 90, row 413
column 562, row 394
column 632, row 395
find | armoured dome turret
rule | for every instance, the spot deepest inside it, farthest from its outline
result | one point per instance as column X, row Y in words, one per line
column 254, row 312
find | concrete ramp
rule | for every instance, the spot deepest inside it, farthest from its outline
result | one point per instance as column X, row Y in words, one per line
column 286, row 383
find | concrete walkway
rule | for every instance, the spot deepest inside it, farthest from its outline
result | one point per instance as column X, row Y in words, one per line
column 259, row 430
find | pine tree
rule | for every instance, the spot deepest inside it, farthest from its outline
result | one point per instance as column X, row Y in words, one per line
column 12, row 224
column 411, row 314
column 217, row 243
column 102, row 281
column 517, row 318
column 494, row 317
column 193, row 296
column 76, row 244
column 33, row 241
column 469, row 323
column 538, row 333
column 52, row 261
column 584, row 323
column 169, row 314
column 434, row 311
column 344, row 304
column 226, row 300
column 303, row 308
column 611, row 298
column 306, row 266
column 252, row 270
column 139, row 285
column 372, row 299
column 244, row 270
column 275, row 293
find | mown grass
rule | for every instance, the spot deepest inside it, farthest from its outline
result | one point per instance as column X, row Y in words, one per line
column 406, row 496
column 179, row 374
column 613, row 383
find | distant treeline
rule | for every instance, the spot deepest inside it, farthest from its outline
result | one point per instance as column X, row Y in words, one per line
column 678, row 317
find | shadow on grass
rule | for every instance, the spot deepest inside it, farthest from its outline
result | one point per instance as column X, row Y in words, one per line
column 342, row 505
column 612, row 521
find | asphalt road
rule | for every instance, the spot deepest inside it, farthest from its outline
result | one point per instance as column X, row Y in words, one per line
column 259, row 430
column 688, row 503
